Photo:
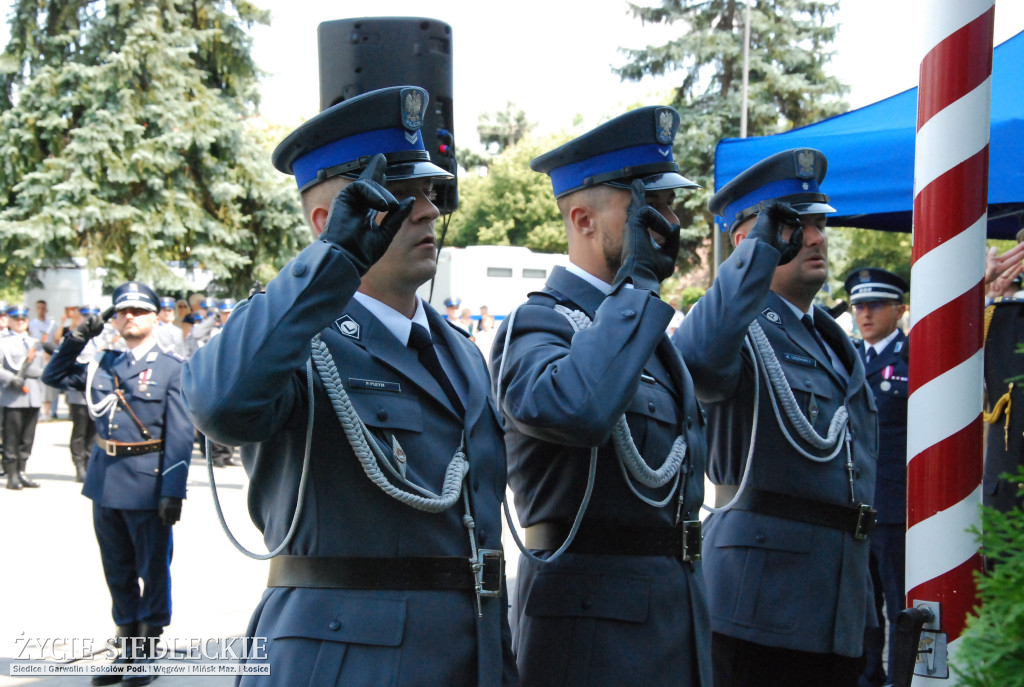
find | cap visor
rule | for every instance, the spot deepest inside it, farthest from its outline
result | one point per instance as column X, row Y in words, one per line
column 658, row 182
column 814, row 208
column 420, row 169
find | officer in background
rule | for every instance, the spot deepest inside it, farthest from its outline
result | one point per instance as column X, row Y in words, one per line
column 1004, row 396
column 382, row 582
column 877, row 299
column 451, row 311
column 21, row 395
column 138, row 469
column 168, row 334
column 793, row 459
column 594, row 394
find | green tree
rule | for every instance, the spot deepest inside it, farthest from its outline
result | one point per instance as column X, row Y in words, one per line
column 852, row 248
column 497, row 131
column 127, row 138
column 788, row 85
column 510, row 205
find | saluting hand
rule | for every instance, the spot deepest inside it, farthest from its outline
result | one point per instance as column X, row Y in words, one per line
column 351, row 222
column 646, row 262
column 768, row 229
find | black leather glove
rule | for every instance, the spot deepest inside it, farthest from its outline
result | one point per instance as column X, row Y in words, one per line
column 768, row 229
column 169, row 510
column 644, row 263
column 351, row 222
column 88, row 328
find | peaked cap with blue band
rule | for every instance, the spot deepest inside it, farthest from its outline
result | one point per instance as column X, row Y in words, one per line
column 89, row 310
column 873, row 284
column 17, row 311
column 791, row 176
column 167, row 303
column 135, row 294
column 636, row 145
column 341, row 140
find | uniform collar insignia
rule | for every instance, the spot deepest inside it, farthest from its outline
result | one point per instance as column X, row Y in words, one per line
column 349, row 327
column 772, row 316
column 152, row 356
column 898, row 347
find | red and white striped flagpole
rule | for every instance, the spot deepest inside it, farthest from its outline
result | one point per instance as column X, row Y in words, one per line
column 944, row 438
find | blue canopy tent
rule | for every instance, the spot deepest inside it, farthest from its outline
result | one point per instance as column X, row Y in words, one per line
column 871, row 154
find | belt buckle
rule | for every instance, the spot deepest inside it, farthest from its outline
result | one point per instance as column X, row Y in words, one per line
column 111, row 449
column 490, row 565
column 693, row 540
column 865, row 521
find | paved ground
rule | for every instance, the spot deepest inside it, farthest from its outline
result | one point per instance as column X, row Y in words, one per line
column 51, row 581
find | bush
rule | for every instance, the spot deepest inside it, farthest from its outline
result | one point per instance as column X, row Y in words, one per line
column 992, row 649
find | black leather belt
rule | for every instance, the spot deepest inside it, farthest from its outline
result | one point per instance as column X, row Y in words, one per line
column 120, row 448
column 441, row 572
column 682, row 542
column 858, row 520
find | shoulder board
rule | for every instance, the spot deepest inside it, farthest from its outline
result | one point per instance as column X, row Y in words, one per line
column 1007, row 300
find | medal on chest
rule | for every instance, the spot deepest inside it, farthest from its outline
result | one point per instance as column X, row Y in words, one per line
column 144, row 378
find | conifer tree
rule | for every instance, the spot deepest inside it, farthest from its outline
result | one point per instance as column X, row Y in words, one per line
column 127, row 137
column 788, row 85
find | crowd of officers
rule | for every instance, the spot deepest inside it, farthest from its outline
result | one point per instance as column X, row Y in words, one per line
column 379, row 439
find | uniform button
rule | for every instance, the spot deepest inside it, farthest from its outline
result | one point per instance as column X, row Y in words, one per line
column 760, row 538
column 807, row 382
column 382, row 415
column 689, row 422
column 739, row 263
column 333, row 625
column 482, row 535
column 651, row 406
column 628, row 313
column 586, row 603
column 298, row 269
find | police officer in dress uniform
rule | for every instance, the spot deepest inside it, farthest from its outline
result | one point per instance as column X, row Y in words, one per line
column 592, row 390
column 877, row 299
column 379, row 584
column 168, row 334
column 793, row 458
column 138, row 469
column 1004, row 401
column 21, row 395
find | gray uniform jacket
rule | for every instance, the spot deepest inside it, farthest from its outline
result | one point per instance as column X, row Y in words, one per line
column 601, row 619
column 771, row 581
column 248, row 385
column 13, row 351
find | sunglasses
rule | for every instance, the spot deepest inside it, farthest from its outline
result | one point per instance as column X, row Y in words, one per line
column 872, row 306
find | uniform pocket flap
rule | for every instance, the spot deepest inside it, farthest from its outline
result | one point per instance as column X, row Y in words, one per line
column 359, row 619
column 742, row 528
column 387, row 410
column 808, row 379
column 652, row 401
column 580, row 595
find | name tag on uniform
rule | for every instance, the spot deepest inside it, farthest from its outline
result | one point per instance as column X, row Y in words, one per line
column 374, row 384
column 800, row 360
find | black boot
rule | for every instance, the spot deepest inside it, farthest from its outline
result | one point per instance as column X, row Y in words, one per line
column 149, row 634
column 25, row 481
column 13, row 479
column 123, row 636
column 79, row 470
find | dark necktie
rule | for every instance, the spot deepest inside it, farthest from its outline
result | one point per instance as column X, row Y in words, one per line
column 419, row 339
column 870, row 355
column 809, row 323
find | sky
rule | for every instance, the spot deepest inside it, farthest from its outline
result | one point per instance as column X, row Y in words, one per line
column 554, row 58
